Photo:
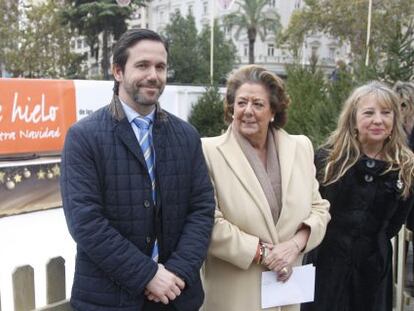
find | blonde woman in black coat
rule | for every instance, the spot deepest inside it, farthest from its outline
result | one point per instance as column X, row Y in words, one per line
column 366, row 172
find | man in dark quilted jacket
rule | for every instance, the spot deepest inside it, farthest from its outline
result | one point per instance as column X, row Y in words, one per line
column 136, row 193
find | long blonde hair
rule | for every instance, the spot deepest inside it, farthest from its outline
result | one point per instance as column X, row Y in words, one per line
column 343, row 146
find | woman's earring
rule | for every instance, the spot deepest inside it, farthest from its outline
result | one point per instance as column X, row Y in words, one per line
column 389, row 136
column 272, row 119
column 232, row 116
column 356, row 133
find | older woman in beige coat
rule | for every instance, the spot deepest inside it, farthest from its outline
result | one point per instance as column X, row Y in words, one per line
column 269, row 211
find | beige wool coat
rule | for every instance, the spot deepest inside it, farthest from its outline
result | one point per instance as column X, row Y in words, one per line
column 243, row 216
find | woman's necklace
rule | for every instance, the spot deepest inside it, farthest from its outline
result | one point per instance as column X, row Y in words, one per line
column 376, row 156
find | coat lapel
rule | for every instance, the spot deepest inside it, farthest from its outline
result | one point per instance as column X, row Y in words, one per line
column 241, row 168
column 161, row 145
column 286, row 149
column 125, row 133
column 123, row 129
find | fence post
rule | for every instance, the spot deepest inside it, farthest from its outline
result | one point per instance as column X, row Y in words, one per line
column 23, row 288
column 399, row 293
column 55, row 280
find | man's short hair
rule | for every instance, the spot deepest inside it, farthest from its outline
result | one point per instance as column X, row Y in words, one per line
column 129, row 39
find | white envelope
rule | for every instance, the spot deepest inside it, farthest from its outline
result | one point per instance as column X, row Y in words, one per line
column 298, row 289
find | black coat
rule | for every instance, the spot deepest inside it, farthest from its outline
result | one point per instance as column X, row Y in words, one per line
column 108, row 205
column 410, row 218
column 353, row 263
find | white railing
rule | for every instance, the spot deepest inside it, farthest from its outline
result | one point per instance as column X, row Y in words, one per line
column 24, row 285
column 402, row 297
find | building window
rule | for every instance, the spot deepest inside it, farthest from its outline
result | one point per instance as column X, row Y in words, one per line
column 272, row 3
column 314, row 51
column 136, row 15
column 72, row 44
column 94, row 70
column 205, row 8
column 190, row 9
column 297, row 4
column 270, row 49
column 332, row 53
column 79, row 43
column 246, row 49
column 161, row 16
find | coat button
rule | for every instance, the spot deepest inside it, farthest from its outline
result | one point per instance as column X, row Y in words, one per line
column 147, row 204
column 368, row 178
column 370, row 164
column 148, row 240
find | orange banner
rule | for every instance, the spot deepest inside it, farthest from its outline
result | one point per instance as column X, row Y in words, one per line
column 35, row 115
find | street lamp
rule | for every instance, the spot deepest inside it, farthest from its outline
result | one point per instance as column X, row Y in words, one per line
column 368, row 32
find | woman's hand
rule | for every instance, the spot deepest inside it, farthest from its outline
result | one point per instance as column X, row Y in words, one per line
column 281, row 257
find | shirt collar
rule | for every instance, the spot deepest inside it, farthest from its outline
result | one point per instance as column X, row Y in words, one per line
column 131, row 114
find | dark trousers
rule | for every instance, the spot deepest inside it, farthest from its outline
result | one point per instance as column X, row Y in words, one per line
column 152, row 306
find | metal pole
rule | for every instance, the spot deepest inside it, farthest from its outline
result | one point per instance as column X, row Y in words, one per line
column 368, row 32
column 213, row 7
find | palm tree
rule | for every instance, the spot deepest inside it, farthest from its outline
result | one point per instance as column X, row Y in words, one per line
column 252, row 17
column 91, row 18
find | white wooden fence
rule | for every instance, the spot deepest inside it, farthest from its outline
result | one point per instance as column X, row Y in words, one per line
column 24, row 285
column 402, row 297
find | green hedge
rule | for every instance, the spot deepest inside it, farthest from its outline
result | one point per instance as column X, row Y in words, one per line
column 315, row 101
column 207, row 115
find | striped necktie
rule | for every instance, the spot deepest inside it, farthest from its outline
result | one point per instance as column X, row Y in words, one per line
column 145, row 141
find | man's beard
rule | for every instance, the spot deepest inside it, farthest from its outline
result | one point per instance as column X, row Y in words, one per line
column 141, row 99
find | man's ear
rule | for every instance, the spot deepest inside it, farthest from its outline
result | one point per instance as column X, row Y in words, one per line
column 117, row 72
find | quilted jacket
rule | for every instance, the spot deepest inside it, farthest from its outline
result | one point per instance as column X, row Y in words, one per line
column 106, row 194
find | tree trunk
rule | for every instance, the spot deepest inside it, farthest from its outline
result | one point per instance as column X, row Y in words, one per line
column 251, row 34
column 105, row 55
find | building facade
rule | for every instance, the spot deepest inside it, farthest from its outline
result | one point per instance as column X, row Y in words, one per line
column 157, row 14
column 267, row 53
